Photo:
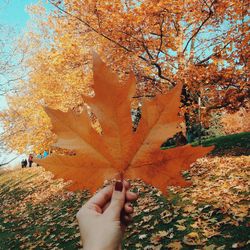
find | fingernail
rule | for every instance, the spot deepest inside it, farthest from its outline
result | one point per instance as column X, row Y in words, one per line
column 118, row 186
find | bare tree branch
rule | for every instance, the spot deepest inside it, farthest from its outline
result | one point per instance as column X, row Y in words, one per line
column 213, row 54
column 210, row 13
column 89, row 26
column 161, row 37
column 115, row 42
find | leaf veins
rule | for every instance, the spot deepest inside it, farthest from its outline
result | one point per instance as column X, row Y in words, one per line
column 119, row 150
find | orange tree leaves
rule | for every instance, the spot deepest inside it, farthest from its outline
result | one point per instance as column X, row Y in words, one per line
column 162, row 42
column 120, row 151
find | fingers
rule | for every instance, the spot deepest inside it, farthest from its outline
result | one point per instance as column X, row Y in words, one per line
column 117, row 201
column 131, row 196
column 101, row 201
column 128, row 208
column 127, row 218
column 101, row 198
column 126, row 184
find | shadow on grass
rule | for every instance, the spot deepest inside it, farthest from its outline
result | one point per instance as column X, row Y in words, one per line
column 236, row 144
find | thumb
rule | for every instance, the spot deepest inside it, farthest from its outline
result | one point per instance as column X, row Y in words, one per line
column 117, row 201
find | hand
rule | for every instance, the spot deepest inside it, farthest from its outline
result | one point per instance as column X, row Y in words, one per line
column 103, row 218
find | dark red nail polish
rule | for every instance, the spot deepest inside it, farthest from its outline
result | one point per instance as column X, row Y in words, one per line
column 118, row 186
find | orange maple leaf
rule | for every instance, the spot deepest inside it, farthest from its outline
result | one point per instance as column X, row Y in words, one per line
column 119, row 150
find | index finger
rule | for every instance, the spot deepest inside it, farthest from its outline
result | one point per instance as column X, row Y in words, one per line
column 102, row 197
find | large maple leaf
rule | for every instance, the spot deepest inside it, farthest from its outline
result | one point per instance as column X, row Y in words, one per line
column 119, row 150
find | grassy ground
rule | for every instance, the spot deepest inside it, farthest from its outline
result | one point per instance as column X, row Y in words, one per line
column 36, row 212
column 236, row 144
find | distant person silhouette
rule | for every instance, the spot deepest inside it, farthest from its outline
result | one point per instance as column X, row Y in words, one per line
column 24, row 163
column 30, row 160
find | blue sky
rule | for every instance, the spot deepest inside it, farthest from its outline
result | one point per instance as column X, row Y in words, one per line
column 13, row 14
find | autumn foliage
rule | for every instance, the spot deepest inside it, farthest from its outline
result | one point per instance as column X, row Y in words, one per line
column 237, row 122
column 200, row 44
column 193, row 220
column 118, row 151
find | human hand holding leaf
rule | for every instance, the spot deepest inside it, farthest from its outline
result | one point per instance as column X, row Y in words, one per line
column 119, row 150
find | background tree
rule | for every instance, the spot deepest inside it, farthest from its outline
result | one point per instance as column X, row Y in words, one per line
column 26, row 126
column 196, row 42
column 202, row 44
column 11, row 71
column 237, row 122
column 12, row 57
